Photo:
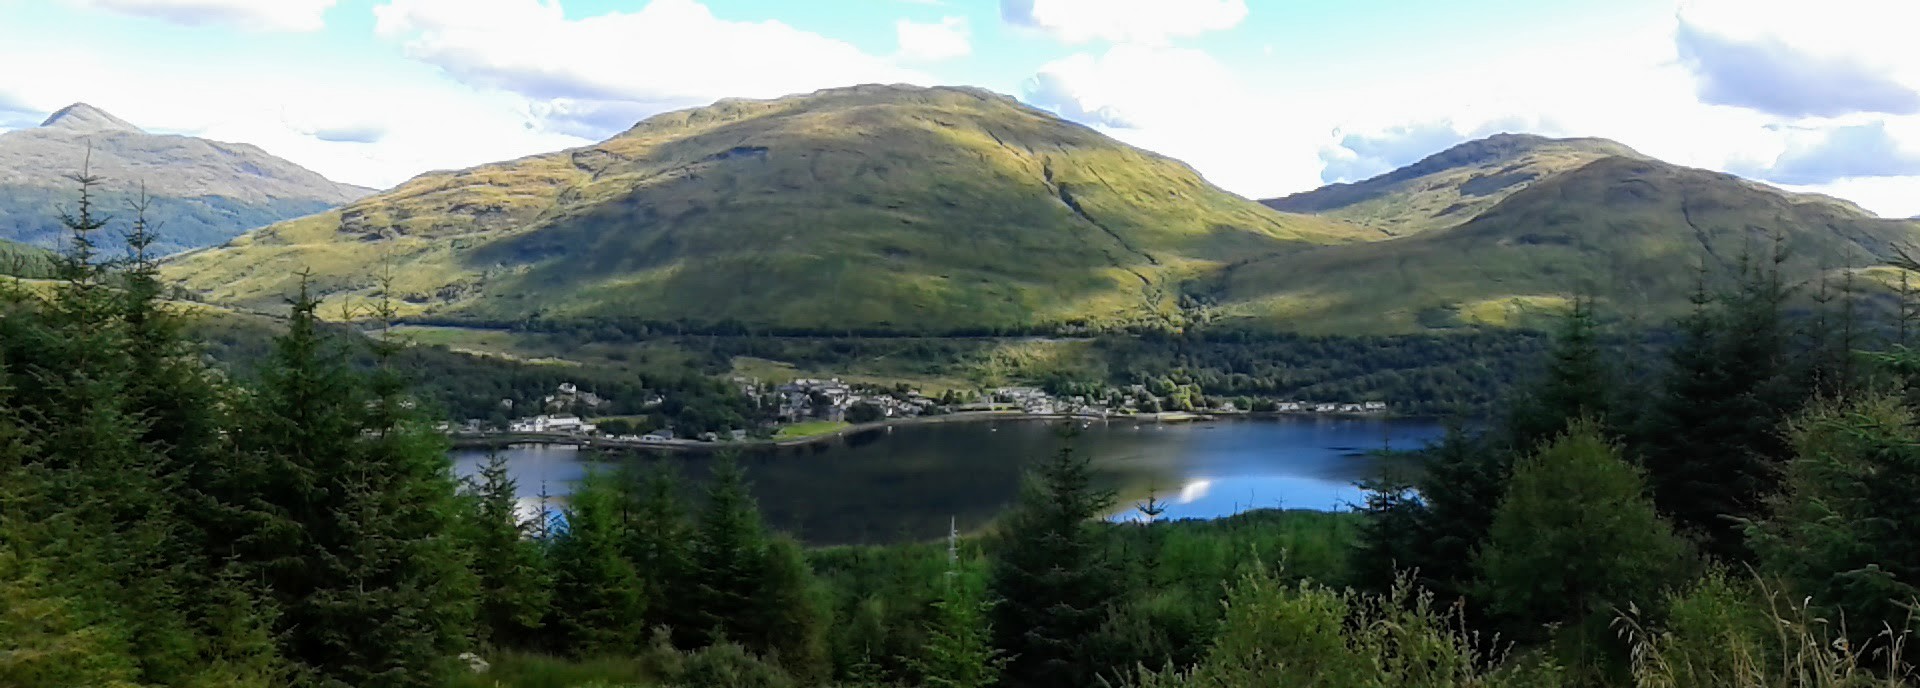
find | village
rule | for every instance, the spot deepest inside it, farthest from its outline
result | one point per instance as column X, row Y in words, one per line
column 834, row 405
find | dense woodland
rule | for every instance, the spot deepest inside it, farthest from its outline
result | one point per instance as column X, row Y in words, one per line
column 1733, row 510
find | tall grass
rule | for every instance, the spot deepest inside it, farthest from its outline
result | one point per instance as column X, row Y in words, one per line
column 1722, row 633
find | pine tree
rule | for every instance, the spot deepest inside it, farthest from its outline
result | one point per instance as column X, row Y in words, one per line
column 1429, row 527
column 729, row 555
column 788, row 625
column 658, row 541
column 99, row 501
column 1575, row 539
column 1576, row 383
column 752, row 589
column 598, row 600
column 348, row 508
column 1712, row 443
column 181, row 406
column 1846, row 530
column 1051, row 582
column 960, row 651
column 1392, row 536
column 510, row 566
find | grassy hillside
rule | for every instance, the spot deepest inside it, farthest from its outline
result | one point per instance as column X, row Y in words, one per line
column 19, row 260
column 886, row 207
column 1633, row 231
column 1452, row 186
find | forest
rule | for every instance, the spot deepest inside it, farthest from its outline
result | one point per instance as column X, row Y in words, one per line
column 1736, row 508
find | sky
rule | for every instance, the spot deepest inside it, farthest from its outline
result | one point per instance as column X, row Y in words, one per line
column 1263, row 97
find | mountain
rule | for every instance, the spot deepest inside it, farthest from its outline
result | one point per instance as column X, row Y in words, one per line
column 202, row 192
column 1630, row 230
column 1452, row 186
column 872, row 207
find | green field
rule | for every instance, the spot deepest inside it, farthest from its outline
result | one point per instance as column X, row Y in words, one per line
column 810, row 428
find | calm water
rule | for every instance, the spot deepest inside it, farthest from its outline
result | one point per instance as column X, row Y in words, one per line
column 905, row 484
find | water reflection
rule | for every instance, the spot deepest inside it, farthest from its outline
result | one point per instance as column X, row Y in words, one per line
column 906, row 484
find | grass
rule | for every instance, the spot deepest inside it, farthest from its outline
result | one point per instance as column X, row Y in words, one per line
column 811, row 428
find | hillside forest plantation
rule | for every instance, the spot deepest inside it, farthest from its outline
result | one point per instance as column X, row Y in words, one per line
column 1730, row 501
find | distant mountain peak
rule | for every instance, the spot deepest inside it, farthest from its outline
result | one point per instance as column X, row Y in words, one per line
column 1506, row 145
column 82, row 117
column 1450, row 187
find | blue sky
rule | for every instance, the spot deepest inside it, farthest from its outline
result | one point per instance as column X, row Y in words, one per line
column 1265, row 97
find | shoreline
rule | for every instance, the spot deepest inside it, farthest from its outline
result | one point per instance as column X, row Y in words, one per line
column 499, row 440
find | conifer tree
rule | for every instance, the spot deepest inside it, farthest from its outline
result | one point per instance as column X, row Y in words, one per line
column 182, row 411
column 98, row 491
column 753, row 589
column 597, row 597
column 792, row 624
column 1052, row 584
column 1576, row 383
column 729, row 555
column 1430, row 526
column 1392, row 536
column 960, row 651
column 350, row 506
column 1712, row 444
column 510, row 567
column 658, row 541
column 1575, row 539
column 48, row 641
column 1846, row 530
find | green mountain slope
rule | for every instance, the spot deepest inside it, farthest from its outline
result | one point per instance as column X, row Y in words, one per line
column 875, row 207
column 1629, row 230
column 203, row 192
column 20, row 260
column 1452, row 186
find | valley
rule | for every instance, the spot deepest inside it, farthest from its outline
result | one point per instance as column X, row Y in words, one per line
column 952, row 241
column 959, row 344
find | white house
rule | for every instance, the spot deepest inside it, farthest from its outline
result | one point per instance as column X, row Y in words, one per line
column 566, row 424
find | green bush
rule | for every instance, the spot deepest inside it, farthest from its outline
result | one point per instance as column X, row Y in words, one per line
column 1304, row 634
column 728, row 665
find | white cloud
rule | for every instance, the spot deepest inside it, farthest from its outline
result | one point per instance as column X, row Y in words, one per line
column 1823, row 155
column 942, row 40
column 670, row 54
column 1792, row 62
column 1183, row 103
column 1152, row 22
column 1873, row 34
column 1133, row 85
column 261, row 15
column 1885, row 196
